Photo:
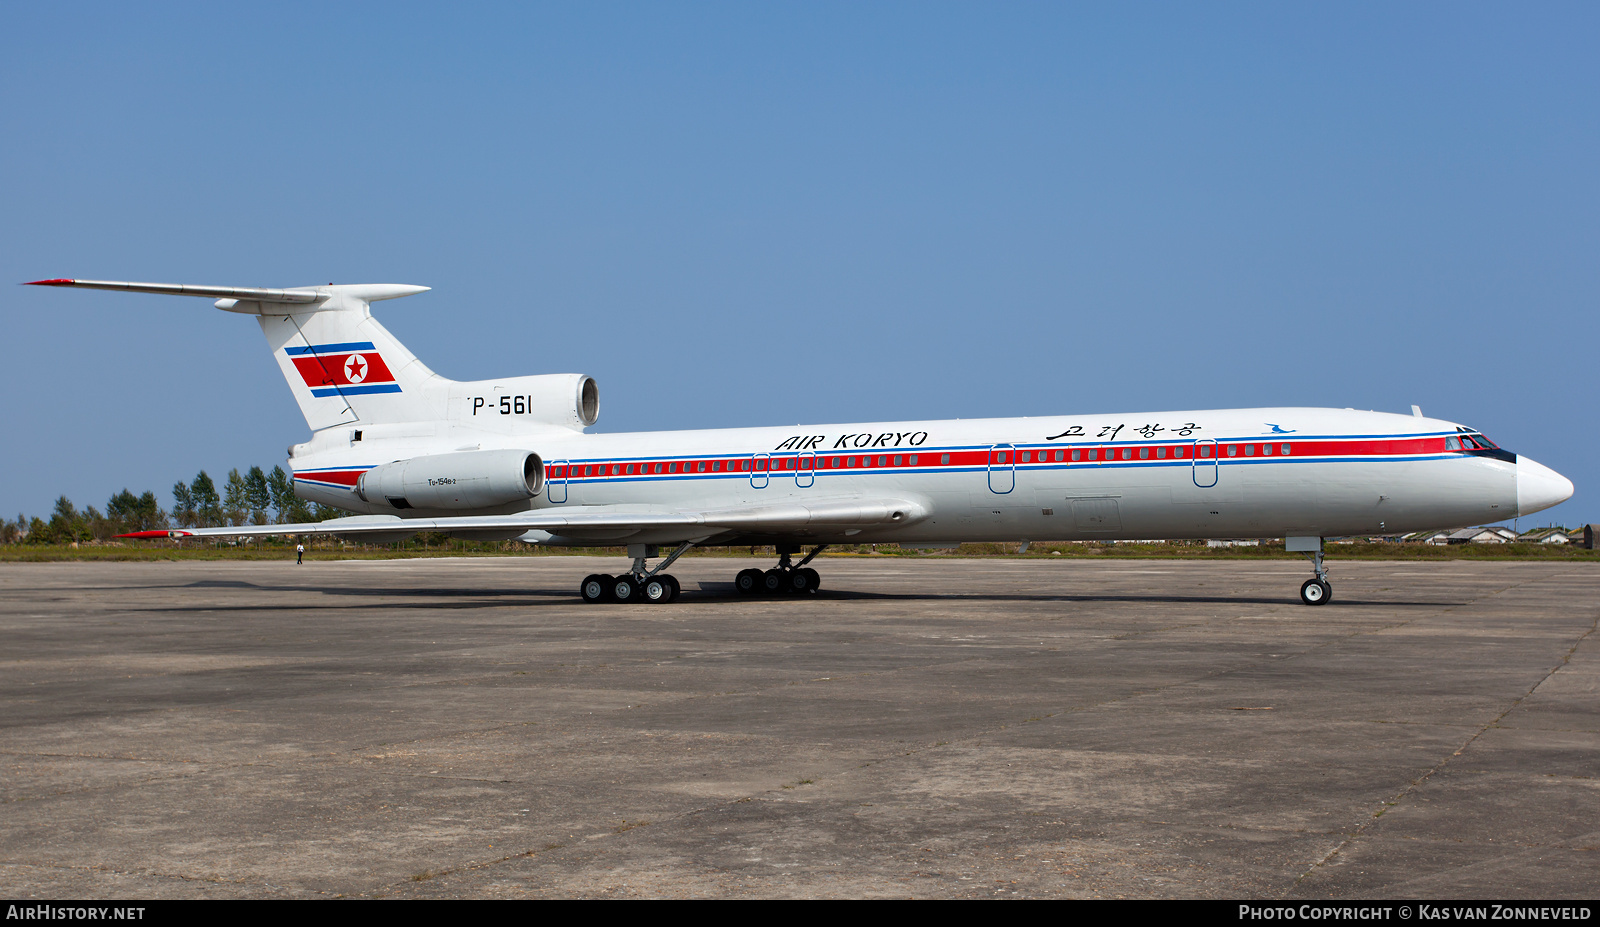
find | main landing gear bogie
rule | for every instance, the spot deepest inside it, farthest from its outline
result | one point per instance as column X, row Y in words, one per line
column 777, row 581
column 657, row 589
column 639, row 584
column 784, row 579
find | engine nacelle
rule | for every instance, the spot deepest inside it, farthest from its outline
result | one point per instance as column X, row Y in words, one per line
column 570, row 400
column 454, row 482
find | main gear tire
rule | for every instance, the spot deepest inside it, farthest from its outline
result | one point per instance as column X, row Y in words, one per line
column 595, row 587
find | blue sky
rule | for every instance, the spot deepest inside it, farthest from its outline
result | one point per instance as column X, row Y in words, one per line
column 742, row 214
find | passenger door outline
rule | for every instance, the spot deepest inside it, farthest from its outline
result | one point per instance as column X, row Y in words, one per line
column 1002, row 478
column 552, row 484
column 1204, row 468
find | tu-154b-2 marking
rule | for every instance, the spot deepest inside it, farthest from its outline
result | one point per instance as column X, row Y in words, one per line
column 411, row 451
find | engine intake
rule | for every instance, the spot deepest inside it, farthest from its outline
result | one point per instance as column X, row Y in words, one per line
column 454, row 482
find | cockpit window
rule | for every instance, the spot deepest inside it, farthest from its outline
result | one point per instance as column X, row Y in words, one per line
column 1452, row 443
column 1473, row 442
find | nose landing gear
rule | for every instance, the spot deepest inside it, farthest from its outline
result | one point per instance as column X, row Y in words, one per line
column 783, row 578
column 1314, row 591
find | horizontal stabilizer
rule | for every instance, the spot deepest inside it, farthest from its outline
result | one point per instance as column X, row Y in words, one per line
column 366, row 292
column 186, row 289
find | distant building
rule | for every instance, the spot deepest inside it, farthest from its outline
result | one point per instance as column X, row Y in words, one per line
column 1481, row 535
column 1427, row 537
column 1545, row 536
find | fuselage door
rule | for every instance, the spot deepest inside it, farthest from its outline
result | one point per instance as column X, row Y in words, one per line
column 760, row 465
column 555, row 482
column 805, row 472
column 1205, row 463
column 1002, row 468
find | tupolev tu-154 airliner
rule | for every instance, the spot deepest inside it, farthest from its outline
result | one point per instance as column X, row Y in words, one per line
column 501, row 459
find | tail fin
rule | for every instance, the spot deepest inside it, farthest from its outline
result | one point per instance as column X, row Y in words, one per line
column 342, row 366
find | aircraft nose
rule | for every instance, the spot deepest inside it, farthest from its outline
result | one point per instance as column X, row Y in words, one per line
column 1539, row 487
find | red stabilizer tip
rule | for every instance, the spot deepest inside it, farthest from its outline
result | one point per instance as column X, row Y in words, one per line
column 57, row 282
column 144, row 534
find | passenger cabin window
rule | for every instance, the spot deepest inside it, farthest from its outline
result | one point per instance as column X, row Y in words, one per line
column 1144, row 453
column 1233, row 450
column 1077, row 455
column 913, row 460
column 1161, row 453
column 1283, row 449
column 944, row 458
column 1249, row 450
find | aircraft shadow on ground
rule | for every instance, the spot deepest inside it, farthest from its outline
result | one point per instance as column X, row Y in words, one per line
column 718, row 594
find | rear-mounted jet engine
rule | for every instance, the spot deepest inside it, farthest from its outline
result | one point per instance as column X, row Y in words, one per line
column 454, row 482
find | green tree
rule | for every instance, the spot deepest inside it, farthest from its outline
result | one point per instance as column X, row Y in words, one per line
column 122, row 511
column 183, row 511
column 97, row 525
column 283, row 497
column 127, row 512
column 258, row 495
column 67, row 523
column 235, row 501
column 151, row 517
column 207, row 504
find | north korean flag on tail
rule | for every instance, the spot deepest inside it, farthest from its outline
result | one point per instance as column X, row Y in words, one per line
column 348, row 369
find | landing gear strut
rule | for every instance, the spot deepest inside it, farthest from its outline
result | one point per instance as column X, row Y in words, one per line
column 786, row 577
column 1316, row 591
column 639, row 584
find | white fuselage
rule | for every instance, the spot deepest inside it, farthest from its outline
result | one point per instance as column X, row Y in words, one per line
column 1170, row 475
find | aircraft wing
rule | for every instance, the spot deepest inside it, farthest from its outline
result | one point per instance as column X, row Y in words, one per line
column 606, row 520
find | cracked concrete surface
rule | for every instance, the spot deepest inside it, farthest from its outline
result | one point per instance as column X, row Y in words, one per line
column 924, row 727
